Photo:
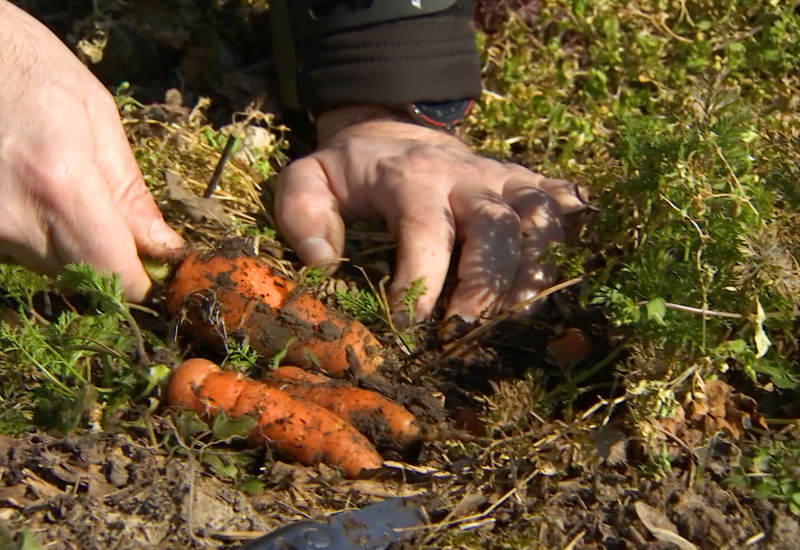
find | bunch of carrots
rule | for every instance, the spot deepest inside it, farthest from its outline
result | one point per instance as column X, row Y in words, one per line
column 306, row 416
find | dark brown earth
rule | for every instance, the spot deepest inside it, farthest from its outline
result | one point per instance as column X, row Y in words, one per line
column 105, row 491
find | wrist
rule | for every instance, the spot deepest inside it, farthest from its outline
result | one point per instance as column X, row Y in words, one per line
column 444, row 116
column 334, row 120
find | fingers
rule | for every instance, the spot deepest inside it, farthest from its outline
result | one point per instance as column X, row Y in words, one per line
column 502, row 239
column 490, row 253
column 425, row 233
column 71, row 189
column 308, row 215
column 567, row 195
column 540, row 225
column 59, row 209
column 431, row 193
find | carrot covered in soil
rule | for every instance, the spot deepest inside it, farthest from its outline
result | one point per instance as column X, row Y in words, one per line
column 300, row 429
column 383, row 420
column 231, row 292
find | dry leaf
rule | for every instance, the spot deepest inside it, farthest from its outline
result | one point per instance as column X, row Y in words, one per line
column 660, row 526
column 610, row 444
column 720, row 408
column 197, row 208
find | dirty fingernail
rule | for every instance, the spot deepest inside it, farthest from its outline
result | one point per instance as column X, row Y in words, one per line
column 164, row 236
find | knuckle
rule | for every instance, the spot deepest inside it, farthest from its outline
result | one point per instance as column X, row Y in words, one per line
column 494, row 207
column 51, row 178
column 132, row 194
column 424, row 159
column 433, row 226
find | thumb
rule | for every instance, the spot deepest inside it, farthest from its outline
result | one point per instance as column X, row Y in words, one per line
column 152, row 235
column 308, row 214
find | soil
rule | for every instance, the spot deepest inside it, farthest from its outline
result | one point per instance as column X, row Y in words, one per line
column 109, row 491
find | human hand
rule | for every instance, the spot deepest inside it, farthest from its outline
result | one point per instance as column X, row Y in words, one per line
column 432, row 191
column 71, row 190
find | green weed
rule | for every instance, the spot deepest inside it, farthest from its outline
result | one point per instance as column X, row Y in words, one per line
column 311, row 276
column 81, row 364
column 211, row 445
column 361, row 304
column 773, row 472
column 682, row 121
column 409, row 298
column 240, row 355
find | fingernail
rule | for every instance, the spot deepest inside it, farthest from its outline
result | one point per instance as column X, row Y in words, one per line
column 137, row 291
column 164, row 236
column 317, row 251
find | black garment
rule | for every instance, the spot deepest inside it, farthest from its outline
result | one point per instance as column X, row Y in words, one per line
column 426, row 58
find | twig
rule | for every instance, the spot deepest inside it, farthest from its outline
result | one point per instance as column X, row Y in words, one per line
column 144, row 309
column 725, row 314
column 703, row 236
column 574, row 542
column 660, row 21
column 223, row 160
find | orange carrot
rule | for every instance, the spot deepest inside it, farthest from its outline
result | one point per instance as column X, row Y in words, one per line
column 569, row 349
column 299, row 429
column 370, row 412
column 232, row 293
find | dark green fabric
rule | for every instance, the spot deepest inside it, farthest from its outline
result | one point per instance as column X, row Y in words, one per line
column 430, row 58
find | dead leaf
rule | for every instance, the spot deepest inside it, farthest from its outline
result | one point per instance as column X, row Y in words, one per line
column 676, row 423
column 40, row 487
column 13, row 496
column 660, row 526
column 378, row 489
column 89, row 476
column 116, row 468
column 196, row 207
column 467, row 419
column 720, row 408
column 610, row 444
